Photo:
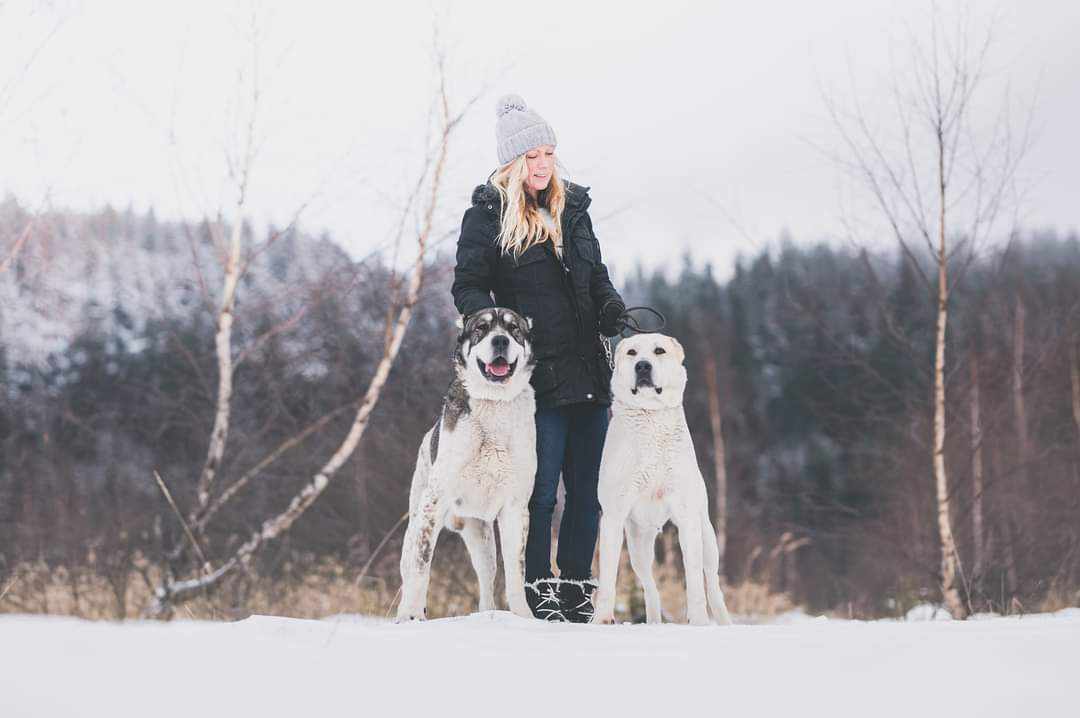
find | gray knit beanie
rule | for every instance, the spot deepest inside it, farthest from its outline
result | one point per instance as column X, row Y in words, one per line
column 519, row 129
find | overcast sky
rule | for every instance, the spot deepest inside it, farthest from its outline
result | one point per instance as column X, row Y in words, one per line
column 697, row 125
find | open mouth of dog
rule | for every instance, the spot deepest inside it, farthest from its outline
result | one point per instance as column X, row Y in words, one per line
column 497, row 370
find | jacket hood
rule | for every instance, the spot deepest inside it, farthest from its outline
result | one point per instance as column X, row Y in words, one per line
column 577, row 196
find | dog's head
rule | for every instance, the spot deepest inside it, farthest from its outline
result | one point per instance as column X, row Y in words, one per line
column 494, row 353
column 649, row 372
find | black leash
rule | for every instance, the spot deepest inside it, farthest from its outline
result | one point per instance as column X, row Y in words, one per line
column 629, row 322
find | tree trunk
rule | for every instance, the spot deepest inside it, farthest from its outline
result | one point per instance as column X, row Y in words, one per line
column 1023, row 452
column 1004, row 534
column 223, row 348
column 719, row 453
column 949, row 558
column 1074, row 375
column 1019, row 406
column 1012, row 577
column 977, row 530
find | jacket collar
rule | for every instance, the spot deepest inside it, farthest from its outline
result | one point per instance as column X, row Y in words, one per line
column 577, row 196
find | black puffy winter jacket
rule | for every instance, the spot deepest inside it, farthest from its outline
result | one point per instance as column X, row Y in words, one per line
column 564, row 298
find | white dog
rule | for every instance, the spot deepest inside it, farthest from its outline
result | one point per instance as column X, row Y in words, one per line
column 648, row 475
column 477, row 464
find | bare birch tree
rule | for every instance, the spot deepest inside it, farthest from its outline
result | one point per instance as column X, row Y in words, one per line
column 942, row 188
column 978, row 537
column 177, row 591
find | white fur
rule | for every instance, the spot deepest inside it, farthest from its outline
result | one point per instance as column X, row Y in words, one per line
column 649, row 475
column 483, row 471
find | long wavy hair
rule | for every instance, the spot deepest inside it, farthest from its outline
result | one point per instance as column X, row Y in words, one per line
column 521, row 225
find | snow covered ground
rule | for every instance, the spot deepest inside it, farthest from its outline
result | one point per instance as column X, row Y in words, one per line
column 497, row 664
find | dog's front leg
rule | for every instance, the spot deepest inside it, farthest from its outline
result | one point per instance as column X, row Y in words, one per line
column 690, row 543
column 513, row 530
column 416, row 551
column 611, row 539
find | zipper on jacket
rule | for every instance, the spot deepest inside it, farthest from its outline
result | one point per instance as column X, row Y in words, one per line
column 566, row 274
column 574, row 299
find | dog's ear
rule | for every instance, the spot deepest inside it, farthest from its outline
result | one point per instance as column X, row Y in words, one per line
column 459, row 355
column 677, row 348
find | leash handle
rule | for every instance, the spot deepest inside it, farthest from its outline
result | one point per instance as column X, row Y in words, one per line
column 627, row 322
column 630, row 323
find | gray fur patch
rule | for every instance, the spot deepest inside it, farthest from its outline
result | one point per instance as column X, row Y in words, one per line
column 425, row 547
column 456, row 404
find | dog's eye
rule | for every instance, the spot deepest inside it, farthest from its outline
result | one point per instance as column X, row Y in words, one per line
column 658, row 350
column 631, row 352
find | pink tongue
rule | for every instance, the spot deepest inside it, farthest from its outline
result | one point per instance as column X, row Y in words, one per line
column 499, row 369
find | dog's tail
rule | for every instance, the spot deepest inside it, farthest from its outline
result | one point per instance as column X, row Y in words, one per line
column 425, row 457
column 711, row 563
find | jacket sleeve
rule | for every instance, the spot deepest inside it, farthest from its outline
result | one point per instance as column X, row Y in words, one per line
column 474, row 270
column 600, row 286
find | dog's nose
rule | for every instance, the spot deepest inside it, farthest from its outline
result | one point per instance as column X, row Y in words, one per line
column 500, row 342
column 643, row 367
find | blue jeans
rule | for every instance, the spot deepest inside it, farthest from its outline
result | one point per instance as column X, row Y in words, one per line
column 569, row 439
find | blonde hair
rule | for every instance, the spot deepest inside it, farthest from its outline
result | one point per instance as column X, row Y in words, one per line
column 521, row 225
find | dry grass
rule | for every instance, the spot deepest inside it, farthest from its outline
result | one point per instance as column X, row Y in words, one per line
column 1058, row 598
column 316, row 589
column 749, row 601
column 324, row 589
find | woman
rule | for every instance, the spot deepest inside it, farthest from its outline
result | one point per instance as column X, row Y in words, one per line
column 527, row 243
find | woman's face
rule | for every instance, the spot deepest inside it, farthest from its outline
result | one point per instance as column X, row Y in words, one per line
column 541, row 162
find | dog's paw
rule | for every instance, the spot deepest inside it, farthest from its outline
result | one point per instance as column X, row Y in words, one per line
column 406, row 616
column 606, row 619
column 700, row 620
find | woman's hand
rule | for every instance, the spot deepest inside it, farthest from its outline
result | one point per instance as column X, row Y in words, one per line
column 611, row 317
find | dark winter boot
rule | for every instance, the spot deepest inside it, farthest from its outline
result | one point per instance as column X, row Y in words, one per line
column 542, row 595
column 575, row 597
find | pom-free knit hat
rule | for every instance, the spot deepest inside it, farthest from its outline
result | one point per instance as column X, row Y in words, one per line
column 519, row 129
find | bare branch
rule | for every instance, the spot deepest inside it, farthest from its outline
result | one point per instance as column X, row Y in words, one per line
column 252, row 473
column 187, row 530
column 374, row 554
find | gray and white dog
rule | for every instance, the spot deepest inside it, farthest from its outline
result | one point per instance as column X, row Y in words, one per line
column 477, row 464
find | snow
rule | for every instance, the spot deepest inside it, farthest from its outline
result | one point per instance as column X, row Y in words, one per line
column 494, row 663
column 927, row 612
column 115, row 273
